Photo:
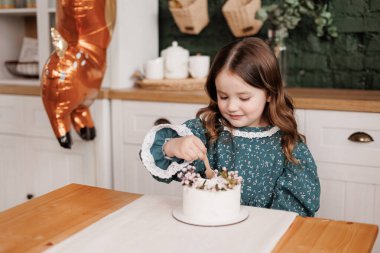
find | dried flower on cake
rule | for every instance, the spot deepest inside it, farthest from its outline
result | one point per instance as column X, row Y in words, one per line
column 222, row 181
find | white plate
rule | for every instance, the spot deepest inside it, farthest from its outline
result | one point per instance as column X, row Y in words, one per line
column 178, row 215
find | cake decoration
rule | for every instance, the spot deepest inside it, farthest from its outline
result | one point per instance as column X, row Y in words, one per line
column 222, row 181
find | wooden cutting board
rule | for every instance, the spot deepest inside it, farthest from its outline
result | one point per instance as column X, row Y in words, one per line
column 188, row 84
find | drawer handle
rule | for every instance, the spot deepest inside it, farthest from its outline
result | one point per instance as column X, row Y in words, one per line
column 30, row 196
column 360, row 137
column 161, row 121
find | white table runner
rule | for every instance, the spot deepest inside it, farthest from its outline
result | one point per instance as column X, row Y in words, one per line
column 147, row 225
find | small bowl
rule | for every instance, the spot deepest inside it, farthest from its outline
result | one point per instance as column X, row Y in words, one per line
column 22, row 69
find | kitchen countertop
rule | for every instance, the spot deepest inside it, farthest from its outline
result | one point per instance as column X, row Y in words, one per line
column 45, row 221
column 304, row 98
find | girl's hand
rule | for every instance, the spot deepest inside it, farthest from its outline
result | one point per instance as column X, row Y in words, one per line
column 189, row 148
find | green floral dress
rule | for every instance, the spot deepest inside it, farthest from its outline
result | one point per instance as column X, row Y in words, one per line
column 269, row 180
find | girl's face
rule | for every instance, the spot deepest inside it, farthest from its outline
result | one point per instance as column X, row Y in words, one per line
column 240, row 103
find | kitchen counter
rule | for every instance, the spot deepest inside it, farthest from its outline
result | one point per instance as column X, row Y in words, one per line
column 45, row 221
column 304, row 98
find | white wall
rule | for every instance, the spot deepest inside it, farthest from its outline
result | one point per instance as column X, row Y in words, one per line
column 135, row 40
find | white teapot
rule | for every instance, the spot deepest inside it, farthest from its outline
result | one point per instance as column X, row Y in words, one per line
column 175, row 61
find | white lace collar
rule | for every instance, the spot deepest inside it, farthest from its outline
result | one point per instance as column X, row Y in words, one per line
column 252, row 135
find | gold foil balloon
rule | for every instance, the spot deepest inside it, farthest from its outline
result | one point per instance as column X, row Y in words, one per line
column 73, row 74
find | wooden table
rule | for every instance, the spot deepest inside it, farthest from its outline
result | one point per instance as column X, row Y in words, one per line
column 45, row 221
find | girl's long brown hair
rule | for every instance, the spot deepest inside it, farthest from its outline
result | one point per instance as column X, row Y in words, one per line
column 253, row 60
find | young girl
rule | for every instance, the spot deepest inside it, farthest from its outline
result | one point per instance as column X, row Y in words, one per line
column 248, row 126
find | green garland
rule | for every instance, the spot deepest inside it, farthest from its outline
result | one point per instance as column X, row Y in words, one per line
column 287, row 15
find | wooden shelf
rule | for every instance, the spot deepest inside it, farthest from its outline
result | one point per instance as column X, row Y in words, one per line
column 20, row 81
column 19, row 11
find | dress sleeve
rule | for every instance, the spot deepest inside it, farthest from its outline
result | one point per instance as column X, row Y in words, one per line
column 298, row 188
column 161, row 167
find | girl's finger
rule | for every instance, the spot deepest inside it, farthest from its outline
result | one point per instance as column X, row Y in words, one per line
column 192, row 155
column 188, row 158
column 201, row 155
column 200, row 146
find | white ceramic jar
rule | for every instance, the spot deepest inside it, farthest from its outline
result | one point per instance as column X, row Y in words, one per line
column 175, row 61
column 199, row 66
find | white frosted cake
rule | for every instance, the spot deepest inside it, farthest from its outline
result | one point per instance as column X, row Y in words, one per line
column 211, row 206
column 214, row 201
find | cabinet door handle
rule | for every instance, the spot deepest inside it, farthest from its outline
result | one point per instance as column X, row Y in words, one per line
column 29, row 196
column 161, row 121
column 360, row 137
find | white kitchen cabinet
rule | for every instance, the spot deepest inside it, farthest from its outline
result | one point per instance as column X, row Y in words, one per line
column 14, row 180
column 33, row 163
column 300, row 118
column 349, row 171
